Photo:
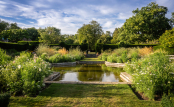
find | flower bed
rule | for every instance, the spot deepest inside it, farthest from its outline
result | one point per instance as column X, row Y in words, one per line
column 58, row 56
column 123, row 55
column 152, row 74
column 25, row 75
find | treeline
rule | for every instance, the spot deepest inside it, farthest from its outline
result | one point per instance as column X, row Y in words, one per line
column 147, row 24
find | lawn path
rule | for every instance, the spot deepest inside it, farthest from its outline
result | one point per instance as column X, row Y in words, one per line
column 75, row 95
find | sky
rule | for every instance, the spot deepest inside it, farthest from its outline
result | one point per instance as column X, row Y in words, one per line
column 70, row 15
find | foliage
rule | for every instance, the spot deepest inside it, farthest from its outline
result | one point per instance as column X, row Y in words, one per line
column 152, row 74
column 148, row 23
column 33, row 33
column 62, row 51
column 50, row 35
column 145, row 51
column 4, row 58
column 91, row 32
column 4, row 99
column 106, row 38
column 62, row 44
column 167, row 38
column 25, row 74
column 62, row 55
column 115, row 36
column 3, row 25
column 98, row 47
column 6, row 26
column 169, row 51
column 44, row 48
column 166, row 101
column 14, row 35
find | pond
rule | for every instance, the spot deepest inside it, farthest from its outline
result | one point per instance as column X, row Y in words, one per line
column 89, row 72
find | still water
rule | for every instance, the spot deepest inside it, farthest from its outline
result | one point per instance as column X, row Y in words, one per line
column 89, row 72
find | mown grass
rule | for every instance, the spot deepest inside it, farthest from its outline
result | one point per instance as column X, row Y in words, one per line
column 75, row 95
column 91, row 59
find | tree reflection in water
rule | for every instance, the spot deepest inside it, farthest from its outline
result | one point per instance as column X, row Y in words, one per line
column 89, row 72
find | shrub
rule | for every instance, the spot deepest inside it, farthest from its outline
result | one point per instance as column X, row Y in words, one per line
column 62, row 51
column 4, row 99
column 166, row 101
column 44, row 56
column 62, row 44
column 145, row 51
column 98, row 47
column 124, row 56
column 44, row 48
column 134, row 57
column 167, row 38
column 119, row 59
column 25, row 74
column 56, row 58
column 4, row 58
column 151, row 75
column 104, row 57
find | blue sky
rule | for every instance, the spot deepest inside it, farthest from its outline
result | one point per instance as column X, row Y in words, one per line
column 70, row 15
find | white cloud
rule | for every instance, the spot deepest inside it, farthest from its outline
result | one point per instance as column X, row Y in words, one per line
column 124, row 16
column 108, row 24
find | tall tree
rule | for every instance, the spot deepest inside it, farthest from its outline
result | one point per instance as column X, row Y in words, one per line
column 14, row 26
column 115, row 36
column 50, row 35
column 148, row 23
column 91, row 32
column 33, row 33
column 3, row 25
column 106, row 37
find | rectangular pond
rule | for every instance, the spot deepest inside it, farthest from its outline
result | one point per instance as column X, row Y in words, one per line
column 89, row 72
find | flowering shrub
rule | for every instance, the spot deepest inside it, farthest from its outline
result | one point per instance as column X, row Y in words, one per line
column 3, row 58
column 123, row 55
column 152, row 75
column 25, row 74
column 44, row 48
column 145, row 51
column 62, row 55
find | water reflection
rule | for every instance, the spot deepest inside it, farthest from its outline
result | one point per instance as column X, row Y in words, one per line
column 89, row 72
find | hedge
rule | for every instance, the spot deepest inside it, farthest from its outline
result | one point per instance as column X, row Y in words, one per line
column 4, row 99
column 98, row 47
column 16, row 46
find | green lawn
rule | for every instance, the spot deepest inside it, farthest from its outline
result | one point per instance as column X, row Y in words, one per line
column 91, row 59
column 75, row 95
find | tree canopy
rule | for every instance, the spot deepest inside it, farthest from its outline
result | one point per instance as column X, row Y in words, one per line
column 148, row 23
column 91, row 32
column 50, row 35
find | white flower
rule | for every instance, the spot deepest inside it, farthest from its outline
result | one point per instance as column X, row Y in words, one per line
column 169, row 82
column 40, row 69
column 34, row 66
column 147, row 88
column 43, row 85
column 19, row 66
column 38, row 86
column 137, row 83
column 150, row 80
